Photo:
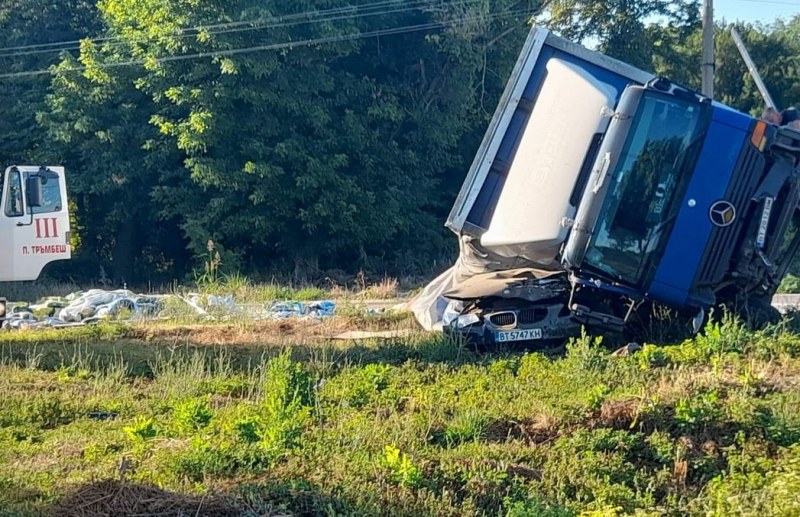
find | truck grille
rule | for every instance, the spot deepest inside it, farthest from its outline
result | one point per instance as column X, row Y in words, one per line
column 722, row 243
column 503, row 319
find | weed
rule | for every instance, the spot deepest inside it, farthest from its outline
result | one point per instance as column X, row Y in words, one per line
column 699, row 412
column 728, row 334
column 651, row 356
column 142, row 429
column 403, row 470
column 384, row 290
column 596, row 396
column 586, row 353
column 534, row 507
column 467, row 426
column 191, row 415
column 211, row 265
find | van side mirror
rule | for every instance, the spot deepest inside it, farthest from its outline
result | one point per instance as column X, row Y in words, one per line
column 33, row 187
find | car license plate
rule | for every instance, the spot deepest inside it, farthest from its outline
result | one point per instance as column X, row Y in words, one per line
column 518, row 335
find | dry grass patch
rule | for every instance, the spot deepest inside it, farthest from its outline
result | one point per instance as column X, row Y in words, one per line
column 120, row 498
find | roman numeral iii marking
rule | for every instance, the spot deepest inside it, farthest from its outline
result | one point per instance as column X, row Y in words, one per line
column 46, row 228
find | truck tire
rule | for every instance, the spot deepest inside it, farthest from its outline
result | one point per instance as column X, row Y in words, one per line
column 758, row 313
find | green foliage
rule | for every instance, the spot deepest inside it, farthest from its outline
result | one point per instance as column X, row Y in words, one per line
column 47, row 411
column 595, row 469
column 790, row 285
column 191, row 415
column 497, row 434
column 621, row 28
column 276, row 424
column 300, row 159
column 759, row 492
column 596, row 396
column 651, row 356
column 467, row 426
column 143, row 428
column 587, row 354
column 403, row 470
column 699, row 411
column 365, row 386
column 720, row 336
column 534, row 507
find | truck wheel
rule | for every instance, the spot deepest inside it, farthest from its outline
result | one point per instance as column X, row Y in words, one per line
column 759, row 312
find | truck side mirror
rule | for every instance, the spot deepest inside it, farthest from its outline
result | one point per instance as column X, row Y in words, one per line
column 33, row 187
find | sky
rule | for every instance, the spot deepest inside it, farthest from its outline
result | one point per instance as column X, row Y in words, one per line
column 764, row 11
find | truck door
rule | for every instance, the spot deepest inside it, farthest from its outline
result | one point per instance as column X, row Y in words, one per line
column 34, row 221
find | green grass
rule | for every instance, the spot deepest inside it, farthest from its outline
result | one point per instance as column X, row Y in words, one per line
column 417, row 427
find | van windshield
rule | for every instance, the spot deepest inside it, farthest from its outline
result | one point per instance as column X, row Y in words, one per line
column 647, row 186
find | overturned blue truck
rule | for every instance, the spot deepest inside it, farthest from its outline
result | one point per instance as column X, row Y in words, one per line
column 599, row 190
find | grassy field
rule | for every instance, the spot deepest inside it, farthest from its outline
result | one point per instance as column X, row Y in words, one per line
column 275, row 419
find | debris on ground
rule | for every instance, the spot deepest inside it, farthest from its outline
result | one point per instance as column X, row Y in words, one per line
column 629, row 349
column 82, row 308
column 786, row 303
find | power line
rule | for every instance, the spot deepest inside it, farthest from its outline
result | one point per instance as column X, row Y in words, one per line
column 285, row 45
column 316, row 16
column 201, row 27
column 252, row 25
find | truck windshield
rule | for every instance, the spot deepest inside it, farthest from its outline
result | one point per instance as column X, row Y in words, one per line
column 647, row 187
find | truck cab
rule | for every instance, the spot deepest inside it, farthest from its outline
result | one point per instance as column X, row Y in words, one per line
column 600, row 188
column 34, row 222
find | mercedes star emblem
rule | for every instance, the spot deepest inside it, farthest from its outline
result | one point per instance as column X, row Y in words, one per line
column 722, row 214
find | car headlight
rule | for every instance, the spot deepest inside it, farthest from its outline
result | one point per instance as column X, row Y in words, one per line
column 466, row 320
column 452, row 312
column 2, row 308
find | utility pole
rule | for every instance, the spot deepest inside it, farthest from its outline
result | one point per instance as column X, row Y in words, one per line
column 708, row 48
column 751, row 67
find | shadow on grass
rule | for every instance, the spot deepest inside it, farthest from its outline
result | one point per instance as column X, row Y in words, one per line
column 244, row 347
column 275, row 499
column 139, row 356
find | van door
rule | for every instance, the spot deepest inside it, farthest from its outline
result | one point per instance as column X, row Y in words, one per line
column 34, row 221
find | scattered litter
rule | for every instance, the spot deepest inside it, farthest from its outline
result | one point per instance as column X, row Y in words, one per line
column 102, row 416
column 629, row 349
column 357, row 335
column 316, row 310
column 786, row 303
column 84, row 308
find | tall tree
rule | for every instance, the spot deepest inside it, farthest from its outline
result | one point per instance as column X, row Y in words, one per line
column 314, row 154
column 619, row 28
column 28, row 23
column 99, row 123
